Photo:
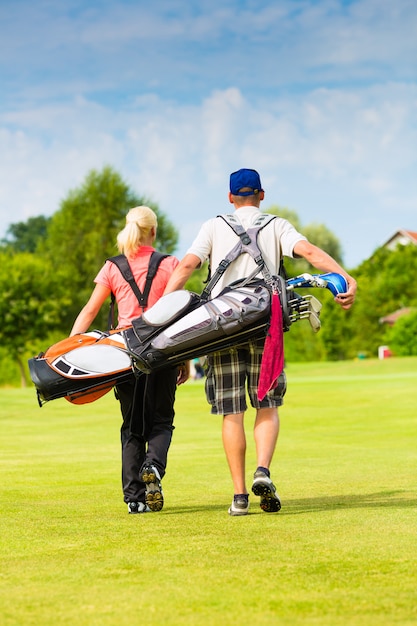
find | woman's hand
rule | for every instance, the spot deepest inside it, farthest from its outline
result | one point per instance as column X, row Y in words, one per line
column 183, row 372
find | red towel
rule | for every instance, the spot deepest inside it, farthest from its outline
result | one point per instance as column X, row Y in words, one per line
column 273, row 357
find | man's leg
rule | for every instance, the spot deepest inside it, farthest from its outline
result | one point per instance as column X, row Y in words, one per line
column 234, row 443
column 226, row 392
column 266, row 432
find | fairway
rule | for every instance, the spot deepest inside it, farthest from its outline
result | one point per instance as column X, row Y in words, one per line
column 341, row 551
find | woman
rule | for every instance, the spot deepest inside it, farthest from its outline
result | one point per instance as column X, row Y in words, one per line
column 146, row 402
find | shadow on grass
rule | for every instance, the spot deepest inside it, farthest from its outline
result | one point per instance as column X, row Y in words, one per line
column 382, row 499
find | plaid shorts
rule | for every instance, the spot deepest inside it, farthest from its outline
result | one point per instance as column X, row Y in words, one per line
column 228, row 374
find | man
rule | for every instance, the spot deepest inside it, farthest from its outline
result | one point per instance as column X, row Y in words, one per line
column 231, row 371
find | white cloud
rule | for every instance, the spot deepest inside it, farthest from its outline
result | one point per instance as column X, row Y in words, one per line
column 327, row 155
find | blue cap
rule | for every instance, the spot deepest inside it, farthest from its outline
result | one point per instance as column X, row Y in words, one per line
column 245, row 178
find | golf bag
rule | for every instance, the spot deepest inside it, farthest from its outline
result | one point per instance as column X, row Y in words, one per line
column 194, row 328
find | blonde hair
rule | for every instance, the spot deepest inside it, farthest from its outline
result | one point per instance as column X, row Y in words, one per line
column 139, row 223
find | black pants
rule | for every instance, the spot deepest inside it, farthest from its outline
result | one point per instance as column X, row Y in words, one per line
column 147, row 406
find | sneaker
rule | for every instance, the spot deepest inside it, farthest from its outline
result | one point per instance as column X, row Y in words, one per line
column 137, row 507
column 154, row 496
column 239, row 506
column 264, row 487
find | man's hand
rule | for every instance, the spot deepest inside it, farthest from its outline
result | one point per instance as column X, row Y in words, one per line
column 347, row 299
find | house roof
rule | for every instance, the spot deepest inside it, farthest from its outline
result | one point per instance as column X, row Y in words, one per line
column 401, row 236
column 392, row 317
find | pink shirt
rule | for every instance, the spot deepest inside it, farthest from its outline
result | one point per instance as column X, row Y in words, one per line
column 127, row 303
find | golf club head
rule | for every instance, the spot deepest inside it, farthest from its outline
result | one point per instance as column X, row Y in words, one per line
column 315, row 304
column 336, row 283
column 314, row 320
column 305, row 307
column 314, row 307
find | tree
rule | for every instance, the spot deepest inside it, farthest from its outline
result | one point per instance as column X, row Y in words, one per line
column 33, row 301
column 302, row 343
column 198, row 279
column 287, row 214
column 82, row 233
column 26, row 236
column 386, row 282
column 402, row 337
column 322, row 237
column 318, row 234
column 337, row 331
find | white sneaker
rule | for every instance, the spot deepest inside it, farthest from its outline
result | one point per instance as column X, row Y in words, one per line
column 137, row 507
column 239, row 506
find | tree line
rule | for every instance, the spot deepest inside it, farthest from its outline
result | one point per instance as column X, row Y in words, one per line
column 48, row 264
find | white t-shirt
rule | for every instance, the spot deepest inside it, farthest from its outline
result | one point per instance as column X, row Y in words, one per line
column 216, row 239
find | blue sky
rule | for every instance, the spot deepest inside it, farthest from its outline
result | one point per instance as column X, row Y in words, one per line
column 319, row 96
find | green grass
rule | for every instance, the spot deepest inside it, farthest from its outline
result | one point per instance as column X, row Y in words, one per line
column 342, row 550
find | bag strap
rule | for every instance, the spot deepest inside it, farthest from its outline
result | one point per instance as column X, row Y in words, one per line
column 122, row 264
column 247, row 243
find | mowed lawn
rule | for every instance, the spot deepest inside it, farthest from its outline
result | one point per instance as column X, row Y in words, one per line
column 343, row 549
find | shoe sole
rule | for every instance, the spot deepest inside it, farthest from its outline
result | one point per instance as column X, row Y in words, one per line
column 154, row 498
column 270, row 503
column 153, row 491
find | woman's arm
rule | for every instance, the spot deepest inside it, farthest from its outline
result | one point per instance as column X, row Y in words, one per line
column 90, row 311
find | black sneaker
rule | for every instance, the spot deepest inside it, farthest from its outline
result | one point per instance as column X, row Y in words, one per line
column 154, row 496
column 239, row 506
column 137, row 507
column 264, row 487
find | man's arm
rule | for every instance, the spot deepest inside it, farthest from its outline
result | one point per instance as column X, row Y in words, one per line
column 182, row 272
column 324, row 262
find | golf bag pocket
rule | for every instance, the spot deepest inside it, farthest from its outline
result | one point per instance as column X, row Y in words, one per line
column 225, row 315
column 163, row 313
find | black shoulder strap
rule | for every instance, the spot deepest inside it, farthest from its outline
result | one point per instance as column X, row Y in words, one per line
column 122, row 264
column 154, row 262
